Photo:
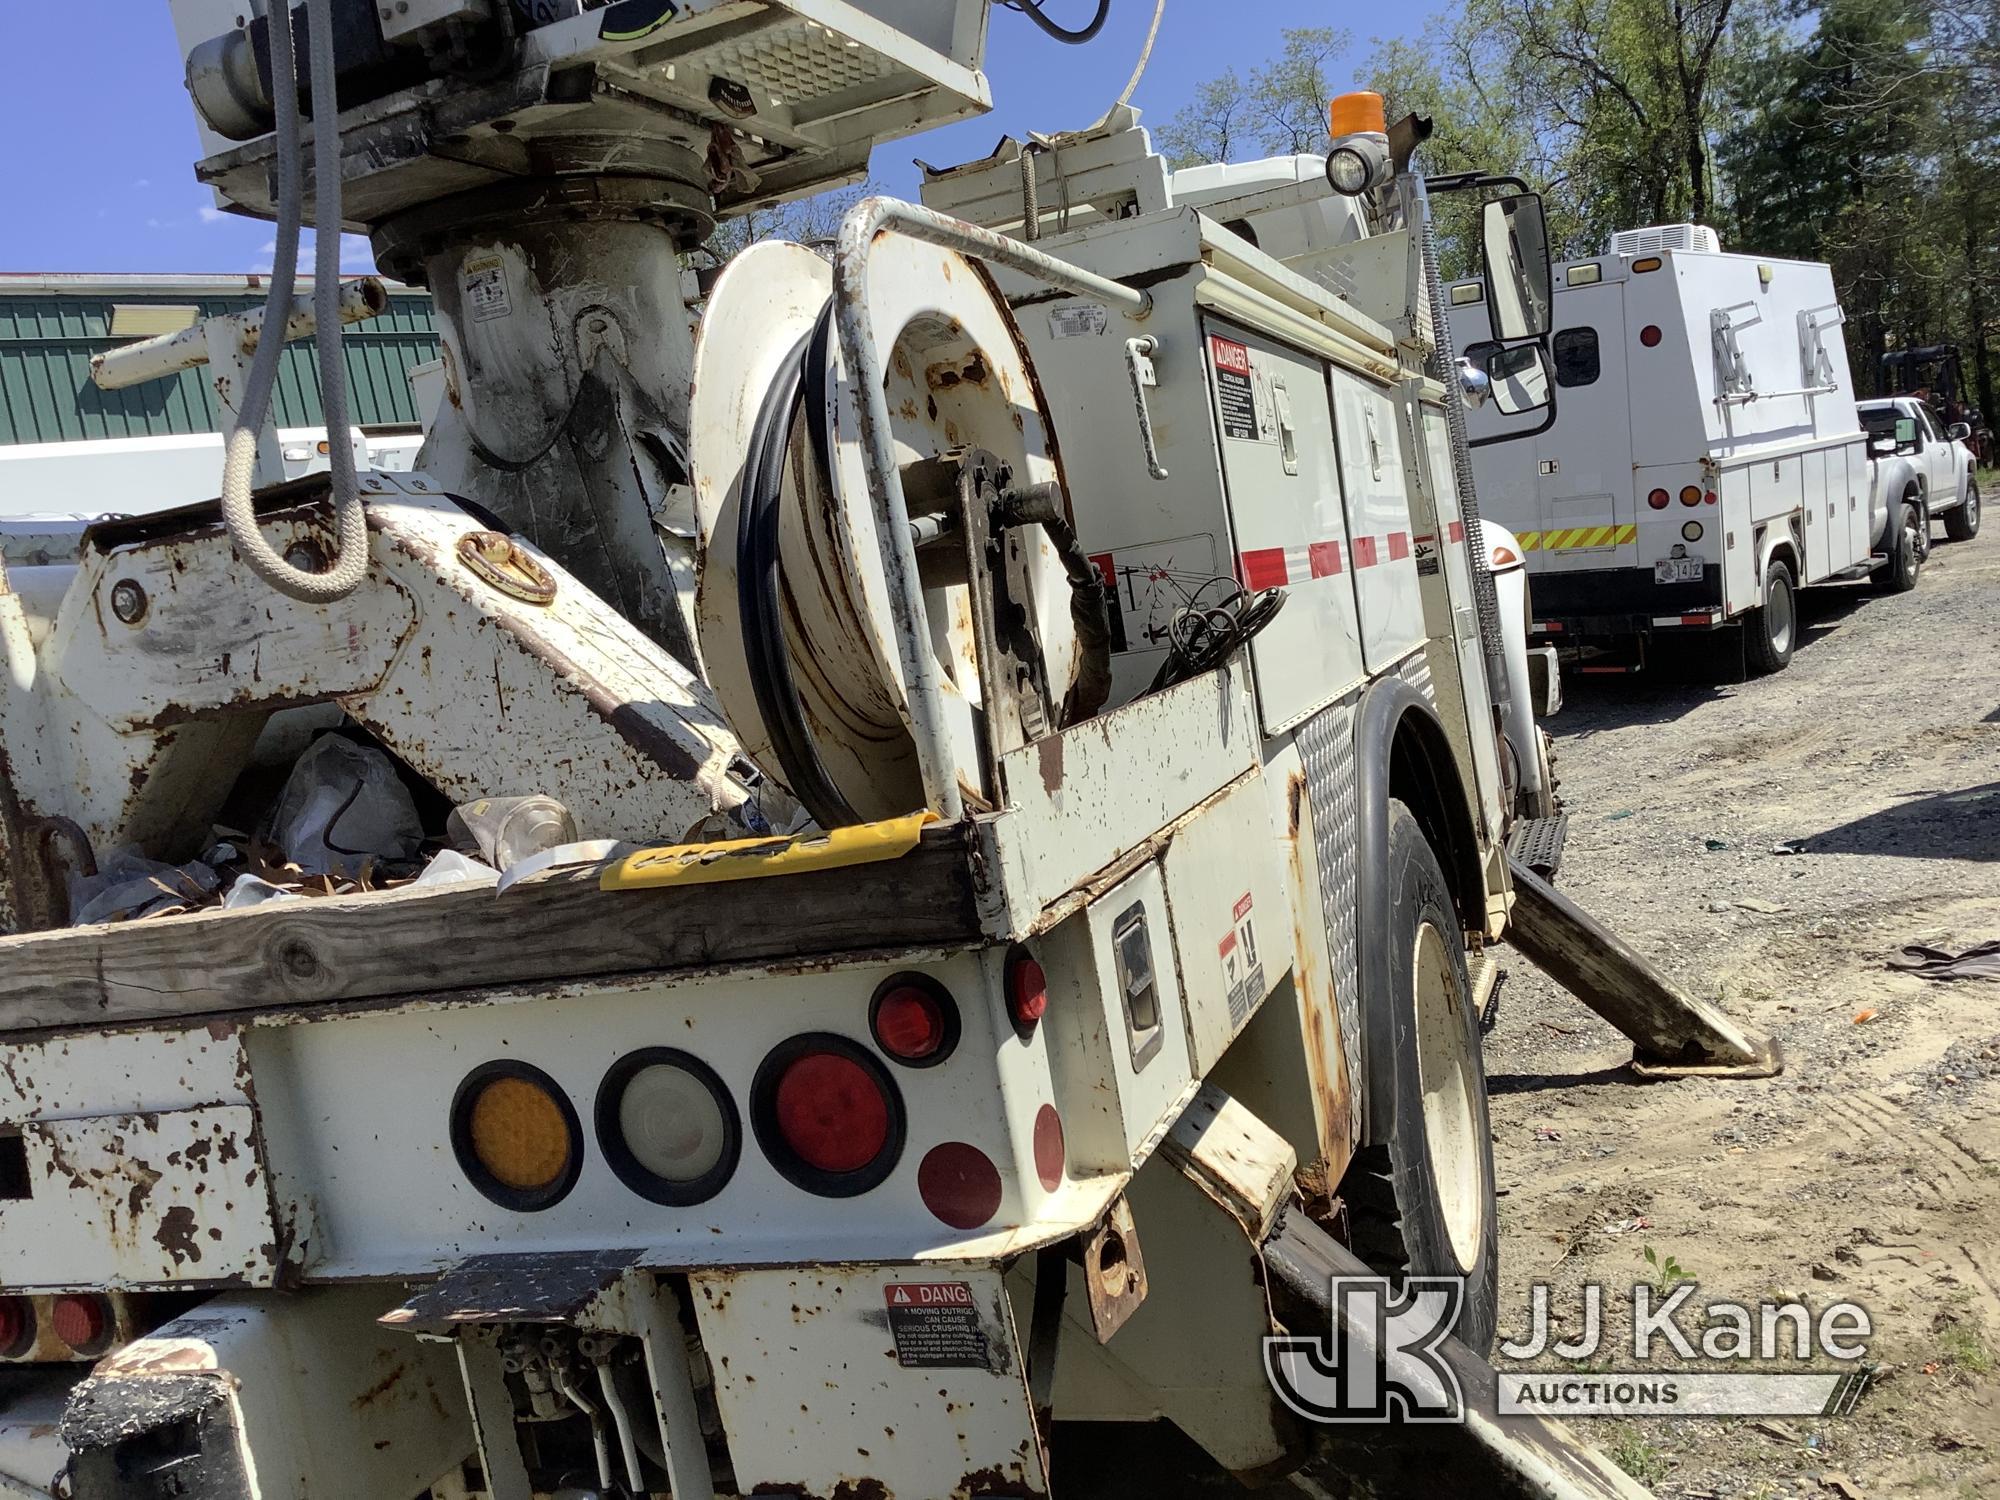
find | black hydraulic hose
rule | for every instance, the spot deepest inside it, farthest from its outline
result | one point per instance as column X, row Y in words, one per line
column 1032, row 9
column 759, row 581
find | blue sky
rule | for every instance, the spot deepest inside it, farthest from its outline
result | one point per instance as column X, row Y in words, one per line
column 98, row 165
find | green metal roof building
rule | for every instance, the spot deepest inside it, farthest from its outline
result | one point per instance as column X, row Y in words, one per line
column 51, row 325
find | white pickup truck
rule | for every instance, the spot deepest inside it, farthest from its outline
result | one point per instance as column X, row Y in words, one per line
column 1942, row 461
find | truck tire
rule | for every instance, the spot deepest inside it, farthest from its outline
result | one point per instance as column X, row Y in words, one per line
column 1422, row 1203
column 1770, row 633
column 1899, row 574
column 1962, row 523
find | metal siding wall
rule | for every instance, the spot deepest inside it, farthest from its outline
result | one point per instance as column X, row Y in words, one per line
column 46, row 395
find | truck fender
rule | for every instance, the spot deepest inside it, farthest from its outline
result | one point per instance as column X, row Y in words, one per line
column 1771, row 540
column 1894, row 477
column 1401, row 750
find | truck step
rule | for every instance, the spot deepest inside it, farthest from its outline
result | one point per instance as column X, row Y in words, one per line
column 1487, row 976
column 1538, row 843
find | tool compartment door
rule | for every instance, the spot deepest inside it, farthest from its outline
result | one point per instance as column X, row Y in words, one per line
column 1583, row 463
column 1275, row 430
column 1376, row 482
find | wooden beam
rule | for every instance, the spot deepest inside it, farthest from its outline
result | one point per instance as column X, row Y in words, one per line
column 423, row 942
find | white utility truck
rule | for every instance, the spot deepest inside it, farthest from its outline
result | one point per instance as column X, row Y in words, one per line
column 1942, row 477
column 1693, row 455
column 1095, row 609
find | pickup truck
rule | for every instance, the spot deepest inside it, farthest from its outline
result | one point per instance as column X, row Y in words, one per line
column 1940, row 459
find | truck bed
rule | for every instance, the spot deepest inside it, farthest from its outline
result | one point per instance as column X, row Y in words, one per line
column 325, row 951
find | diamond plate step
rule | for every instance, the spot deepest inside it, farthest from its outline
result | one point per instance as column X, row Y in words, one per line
column 1538, row 843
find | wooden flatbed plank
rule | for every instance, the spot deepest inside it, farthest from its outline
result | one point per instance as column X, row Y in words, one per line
column 388, row 944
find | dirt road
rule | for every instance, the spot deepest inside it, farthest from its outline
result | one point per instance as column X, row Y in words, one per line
column 1871, row 1169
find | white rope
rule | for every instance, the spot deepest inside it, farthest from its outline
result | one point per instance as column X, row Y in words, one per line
column 239, row 514
column 1145, row 53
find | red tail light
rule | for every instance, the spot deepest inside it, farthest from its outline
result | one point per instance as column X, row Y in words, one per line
column 81, row 1322
column 1650, row 336
column 17, row 1327
column 1659, row 499
column 1027, row 990
column 827, row 1115
column 914, row 1019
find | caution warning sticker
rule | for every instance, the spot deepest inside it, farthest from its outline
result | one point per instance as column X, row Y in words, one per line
column 936, row 1325
column 1242, row 965
column 483, row 286
column 1232, row 387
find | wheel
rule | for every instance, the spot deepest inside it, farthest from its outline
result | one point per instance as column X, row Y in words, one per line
column 1422, row 1203
column 1899, row 574
column 1772, row 630
column 1962, row 524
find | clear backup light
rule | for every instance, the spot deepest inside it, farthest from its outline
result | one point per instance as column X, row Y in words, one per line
column 667, row 1126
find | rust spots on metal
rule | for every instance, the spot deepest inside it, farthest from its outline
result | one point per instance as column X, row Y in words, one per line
column 380, row 1388
column 1049, row 754
column 1295, row 797
column 981, row 1484
column 176, row 1234
column 1319, row 1013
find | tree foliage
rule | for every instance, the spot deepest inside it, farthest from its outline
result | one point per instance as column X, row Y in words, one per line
column 1865, row 133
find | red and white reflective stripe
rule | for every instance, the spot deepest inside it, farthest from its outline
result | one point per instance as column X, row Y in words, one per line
column 1703, row 617
column 1276, row 567
column 1546, row 627
column 1455, row 531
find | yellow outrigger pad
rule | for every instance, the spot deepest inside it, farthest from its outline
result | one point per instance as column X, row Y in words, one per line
column 753, row 859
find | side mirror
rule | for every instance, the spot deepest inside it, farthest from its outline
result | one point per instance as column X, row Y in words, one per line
column 1519, row 281
column 1958, row 432
column 1518, row 376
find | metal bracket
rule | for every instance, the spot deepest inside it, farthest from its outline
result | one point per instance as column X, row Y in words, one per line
column 1139, row 354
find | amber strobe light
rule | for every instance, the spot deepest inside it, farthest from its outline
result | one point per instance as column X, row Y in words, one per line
column 827, row 1115
column 667, row 1126
column 516, row 1135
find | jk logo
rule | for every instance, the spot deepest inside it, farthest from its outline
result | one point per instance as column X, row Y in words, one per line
column 1382, row 1363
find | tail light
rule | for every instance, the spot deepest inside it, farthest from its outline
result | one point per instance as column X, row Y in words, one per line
column 516, row 1135
column 17, row 1327
column 1659, row 499
column 1650, row 335
column 914, row 1020
column 1027, row 990
column 1690, row 494
column 667, row 1126
column 827, row 1115
column 84, row 1323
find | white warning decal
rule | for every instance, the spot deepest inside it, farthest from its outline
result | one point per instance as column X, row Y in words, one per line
column 1242, row 964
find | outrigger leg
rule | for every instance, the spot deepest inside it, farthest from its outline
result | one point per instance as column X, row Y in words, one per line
column 1674, row 1035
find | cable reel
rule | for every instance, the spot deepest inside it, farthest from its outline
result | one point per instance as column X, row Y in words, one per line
column 793, row 609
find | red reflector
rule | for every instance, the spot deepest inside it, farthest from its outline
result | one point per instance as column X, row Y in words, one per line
column 832, row 1112
column 1650, row 335
column 1027, row 989
column 959, row 1184
column 80, row 1322
column 1049, row 1148
column 17, row 1326
column 909, row 1024
column 1708, row 497
column 1658, row 499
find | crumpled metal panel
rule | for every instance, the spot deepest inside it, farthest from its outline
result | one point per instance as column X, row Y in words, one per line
column 1327, row 743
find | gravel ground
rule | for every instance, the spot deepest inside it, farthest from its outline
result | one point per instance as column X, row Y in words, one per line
column 1771, row 843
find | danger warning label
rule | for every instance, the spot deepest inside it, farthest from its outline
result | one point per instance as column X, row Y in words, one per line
column 936, row 1325
column 1232, row 387
column 1242, row 965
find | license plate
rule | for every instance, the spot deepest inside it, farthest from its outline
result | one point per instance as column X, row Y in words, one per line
column 1677, row 570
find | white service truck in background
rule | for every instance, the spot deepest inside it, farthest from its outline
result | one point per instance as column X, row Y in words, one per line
column 1689, row 455
column 1940, row 454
